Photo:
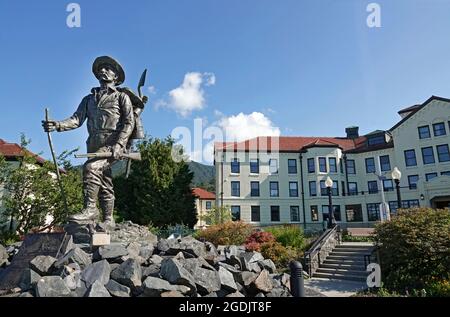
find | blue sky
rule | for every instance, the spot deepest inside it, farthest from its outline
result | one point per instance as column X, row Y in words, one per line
column 310, row 68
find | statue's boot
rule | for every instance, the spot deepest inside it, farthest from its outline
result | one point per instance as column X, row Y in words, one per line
column 108, row 219
column 89, row 213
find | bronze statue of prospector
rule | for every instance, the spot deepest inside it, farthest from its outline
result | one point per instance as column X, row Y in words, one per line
column 113, row 121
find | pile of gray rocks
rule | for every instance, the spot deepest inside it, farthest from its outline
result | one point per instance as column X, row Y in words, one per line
column 137, row 263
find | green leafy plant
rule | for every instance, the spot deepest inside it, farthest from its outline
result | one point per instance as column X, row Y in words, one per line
column 414, row 248
column 217, row 215
column 279, row 254
column 157, row 190
column 32, row 195
column 288, row 236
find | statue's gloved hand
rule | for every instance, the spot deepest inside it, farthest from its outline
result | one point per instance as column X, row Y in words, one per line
column 50, row 125
column 117, row 151
column 144, row 99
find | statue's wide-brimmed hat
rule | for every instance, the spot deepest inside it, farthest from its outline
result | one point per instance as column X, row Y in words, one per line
column 106, row 60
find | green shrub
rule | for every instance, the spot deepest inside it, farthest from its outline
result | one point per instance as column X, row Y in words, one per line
column 346, row 237
column 414, row 248
column 279, row 254
column 288, row 236
column 229, row 233
column 438, row 288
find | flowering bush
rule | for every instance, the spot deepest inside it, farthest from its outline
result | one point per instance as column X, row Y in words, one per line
column 228, row 233
column 254, row 241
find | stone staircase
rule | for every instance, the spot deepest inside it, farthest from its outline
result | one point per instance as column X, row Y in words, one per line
column 345, row 262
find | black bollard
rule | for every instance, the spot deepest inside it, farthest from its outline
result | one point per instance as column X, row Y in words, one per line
column 297, row 284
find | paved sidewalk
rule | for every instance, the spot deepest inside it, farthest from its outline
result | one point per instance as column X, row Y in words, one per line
column 334, row 288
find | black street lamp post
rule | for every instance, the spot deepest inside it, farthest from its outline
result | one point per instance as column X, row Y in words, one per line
column 397, row 175
column 331, row 219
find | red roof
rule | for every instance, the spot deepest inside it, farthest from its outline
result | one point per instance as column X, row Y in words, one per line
column 290, row 144
column 13, row 150
column 203, row 194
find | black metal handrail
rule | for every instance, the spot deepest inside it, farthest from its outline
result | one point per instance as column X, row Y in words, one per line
column 368, row 257
column 317, row 246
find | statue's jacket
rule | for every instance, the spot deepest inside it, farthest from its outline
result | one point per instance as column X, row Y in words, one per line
column 110, row 118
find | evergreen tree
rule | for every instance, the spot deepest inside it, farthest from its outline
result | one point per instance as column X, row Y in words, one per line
column 157, row 190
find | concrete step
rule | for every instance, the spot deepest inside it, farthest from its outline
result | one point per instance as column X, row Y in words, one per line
column 349, row 253
column 359, row 258
column 341, row 276
column 342, row 271
column 341, row 265
column 350, row 248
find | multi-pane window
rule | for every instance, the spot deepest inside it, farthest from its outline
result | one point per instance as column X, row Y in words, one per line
column 254, row 166
column 353, row 213
column 439, row 129
column 374, row 140
column 393, row 205
column 235, row 166
column 292, row 166
column 314, row 213
column 208, row 205
column 410, row 158
column 351, row 167
column 385, row 163
column 373, row 187
column 352, row 188
column 443, row 153
column 256, row 213
column 336, row 212
column 412, row 181
column 274, row 213
column 312, row 188
column 388, row 186
column 293, row 189
column 446, row 173
column 311, row 166
column 254, row 189
column 332, row 164
column 235, row 189
column 370, row 165
column 373, row 212
column 274, row 189
column 236, row 213
column 295, row 214
column 430, row 176
column 322, row 164
column 324, row 189
column 428, row 155
column 424, row 132
column 273, row 166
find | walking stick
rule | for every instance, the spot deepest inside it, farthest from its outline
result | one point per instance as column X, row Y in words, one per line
column 58, row 176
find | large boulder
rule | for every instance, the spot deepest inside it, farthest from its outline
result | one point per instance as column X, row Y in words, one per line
column 268, row 265
column 129, row 273
column 247, row 258
column 207, row 281
column 42, row 264
column 98, row 271
column 52, row 286
column 75, row 255
column 97, row 289
column 193, row 246
column 28, row 279
column 151, row 270
column 154, row 287
column 263, row 283
column 117, row 290
column 111, row 253
column 227, row 280
column 173, row 271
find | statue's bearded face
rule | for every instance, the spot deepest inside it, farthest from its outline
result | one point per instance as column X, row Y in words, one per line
column 107, row 74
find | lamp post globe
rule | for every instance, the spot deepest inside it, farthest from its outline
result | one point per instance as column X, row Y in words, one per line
column 331, row 219
column 396, row 176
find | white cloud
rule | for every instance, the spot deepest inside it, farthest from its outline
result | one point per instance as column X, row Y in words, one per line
column 151, row 90
column 189, row 96
column 247, row 126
